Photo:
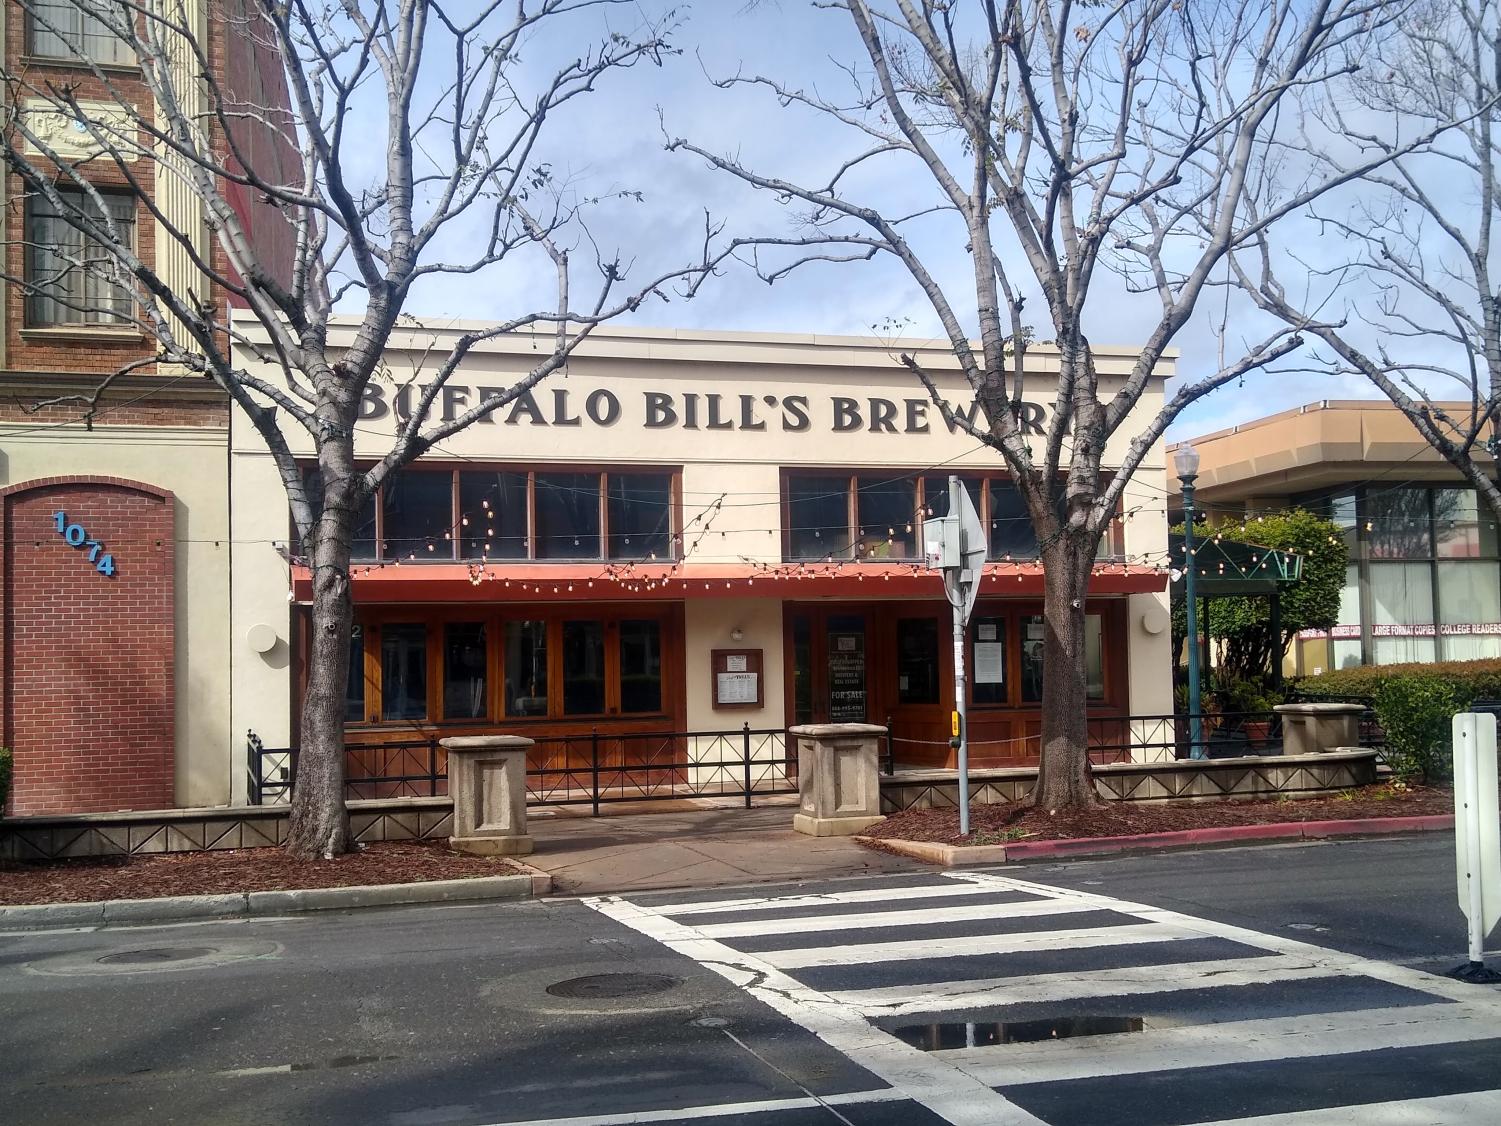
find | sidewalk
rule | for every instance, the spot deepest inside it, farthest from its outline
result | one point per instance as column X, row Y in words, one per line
column 698, row 848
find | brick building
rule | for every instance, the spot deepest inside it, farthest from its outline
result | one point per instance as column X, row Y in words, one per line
column 114, row 536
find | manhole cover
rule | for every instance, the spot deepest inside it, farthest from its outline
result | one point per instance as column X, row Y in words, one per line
column 157, row 954
column 607, row 986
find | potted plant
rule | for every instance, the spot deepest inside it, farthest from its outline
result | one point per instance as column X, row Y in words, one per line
column 1248, row 709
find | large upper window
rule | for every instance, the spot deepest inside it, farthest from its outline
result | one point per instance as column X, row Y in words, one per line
column 852, row 517
column 363, row 543
column 60, row 29
column 1424, row 582
column 640, row 515
column 870, row 516
column 447, row 514
column 567, row 515
column 492, row 515
column 1397, row 524
column 71, row 279
column 417, row 510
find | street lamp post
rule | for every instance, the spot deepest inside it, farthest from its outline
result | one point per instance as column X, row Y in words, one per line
column 1186, row 460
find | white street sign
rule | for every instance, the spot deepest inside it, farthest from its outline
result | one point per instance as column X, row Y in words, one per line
column 957, row 544
column 1477, row 825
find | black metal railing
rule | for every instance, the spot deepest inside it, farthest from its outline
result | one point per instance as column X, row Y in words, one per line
column 1161, row 737
column 593, row 769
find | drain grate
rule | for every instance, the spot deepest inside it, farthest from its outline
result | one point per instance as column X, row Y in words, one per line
column 610, row 986
column 157, row 954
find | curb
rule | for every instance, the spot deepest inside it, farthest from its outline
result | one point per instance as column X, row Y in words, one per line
column 951, row 856
column 526, row 885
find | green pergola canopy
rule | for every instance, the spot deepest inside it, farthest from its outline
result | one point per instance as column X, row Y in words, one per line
column 1225, row 567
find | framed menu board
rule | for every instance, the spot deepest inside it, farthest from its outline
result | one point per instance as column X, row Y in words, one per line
column 737, row 678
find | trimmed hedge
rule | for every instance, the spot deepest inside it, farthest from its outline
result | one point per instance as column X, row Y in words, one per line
column 1476, row 680
column 1415, row 705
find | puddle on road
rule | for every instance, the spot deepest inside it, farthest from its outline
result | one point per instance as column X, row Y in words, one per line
column 981, row 1034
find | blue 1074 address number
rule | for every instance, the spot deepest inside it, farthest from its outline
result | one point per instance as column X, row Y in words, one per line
column 102, row 560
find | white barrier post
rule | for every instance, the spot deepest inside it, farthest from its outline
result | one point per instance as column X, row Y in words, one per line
column 1477, row 837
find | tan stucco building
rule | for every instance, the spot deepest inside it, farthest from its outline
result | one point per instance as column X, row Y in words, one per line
column 687, row 531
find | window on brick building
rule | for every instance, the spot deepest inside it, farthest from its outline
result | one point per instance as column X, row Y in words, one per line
column 70, row 277
column 60, row 29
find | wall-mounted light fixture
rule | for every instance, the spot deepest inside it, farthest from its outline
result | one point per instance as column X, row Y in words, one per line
column 737, row 634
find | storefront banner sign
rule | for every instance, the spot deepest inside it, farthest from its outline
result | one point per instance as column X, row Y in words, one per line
column 1423, row 629
column 686, row 410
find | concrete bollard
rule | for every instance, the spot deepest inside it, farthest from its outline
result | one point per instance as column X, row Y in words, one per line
column 838, row 778
column 487, row 781
column 1309, row 729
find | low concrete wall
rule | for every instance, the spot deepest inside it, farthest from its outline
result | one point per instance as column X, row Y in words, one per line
column 196, row 830
column 405, row 819
column 1183, row 780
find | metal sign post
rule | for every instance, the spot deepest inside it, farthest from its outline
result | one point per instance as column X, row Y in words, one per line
column 956, row 543
column 1477, row 837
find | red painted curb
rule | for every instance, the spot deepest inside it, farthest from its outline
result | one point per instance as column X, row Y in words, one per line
column 1378, row 825
column 1287, row 830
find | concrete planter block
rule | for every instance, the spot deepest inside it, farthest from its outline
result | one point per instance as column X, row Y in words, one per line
column 1315, row 728
column 487, row 781
column 838, row 778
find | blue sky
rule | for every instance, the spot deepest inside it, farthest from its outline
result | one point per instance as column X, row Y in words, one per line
column 613, row 140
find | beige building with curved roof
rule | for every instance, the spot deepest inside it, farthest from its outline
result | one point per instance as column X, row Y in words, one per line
column 1424, row 581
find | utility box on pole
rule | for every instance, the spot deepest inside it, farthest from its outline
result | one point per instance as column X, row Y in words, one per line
column 956, row 544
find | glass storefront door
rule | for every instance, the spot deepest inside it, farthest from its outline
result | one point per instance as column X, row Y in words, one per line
column 845, row 657
column 830, row 673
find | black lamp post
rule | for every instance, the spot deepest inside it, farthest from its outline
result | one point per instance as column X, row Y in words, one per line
column 1186, row 460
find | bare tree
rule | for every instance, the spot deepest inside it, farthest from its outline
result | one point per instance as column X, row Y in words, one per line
column 1064, row 139
column 430, row 99
column 1414, row 301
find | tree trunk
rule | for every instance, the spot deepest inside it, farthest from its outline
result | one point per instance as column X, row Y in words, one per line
column 1063, row 780
column 320, row 819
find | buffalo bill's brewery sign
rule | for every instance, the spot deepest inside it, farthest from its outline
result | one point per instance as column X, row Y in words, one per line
column 687, row 410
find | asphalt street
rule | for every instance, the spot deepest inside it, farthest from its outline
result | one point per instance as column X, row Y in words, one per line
column 1271, row 985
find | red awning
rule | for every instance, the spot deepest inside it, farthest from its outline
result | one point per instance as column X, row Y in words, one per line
column 595, row 582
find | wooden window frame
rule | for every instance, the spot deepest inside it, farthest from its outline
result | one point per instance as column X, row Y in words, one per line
column 1113, row 538
column 674, row 474
column 668, row 614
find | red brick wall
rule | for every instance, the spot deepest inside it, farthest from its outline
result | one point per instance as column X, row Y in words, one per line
column 87, row 659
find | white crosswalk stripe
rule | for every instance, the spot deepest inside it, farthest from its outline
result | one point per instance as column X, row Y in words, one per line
column 893, row 897
column 1322, row 1034
column 822, row 924
column 1074, row 985
column 974, row 944
column 838, row 982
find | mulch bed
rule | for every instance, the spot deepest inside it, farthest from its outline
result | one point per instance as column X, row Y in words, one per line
column 244, row 869
column 997, row 824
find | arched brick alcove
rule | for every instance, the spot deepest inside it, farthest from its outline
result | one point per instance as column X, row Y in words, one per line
column 88, row 655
